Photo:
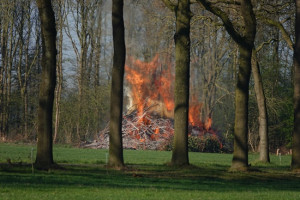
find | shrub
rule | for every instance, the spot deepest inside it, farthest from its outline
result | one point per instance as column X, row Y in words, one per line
column 212, row 145
column 209, row 143
column 196, row 144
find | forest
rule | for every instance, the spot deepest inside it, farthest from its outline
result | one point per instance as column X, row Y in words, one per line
column 220, row 33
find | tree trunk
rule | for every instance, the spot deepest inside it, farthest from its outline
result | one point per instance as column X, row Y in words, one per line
column 245, row 44
column 44, row 157
column 59, row 70
column 3, row 79
column 262, row 111
column 296, row 134
column 182, row 78
column 240, row 153
column 116, row 106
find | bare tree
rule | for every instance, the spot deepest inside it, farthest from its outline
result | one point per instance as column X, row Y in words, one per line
column 7, row 19
column 262, row 109
column 245, row 41
column 116, row 107
column 44, row 157
column 61, row 15
column 26, row 62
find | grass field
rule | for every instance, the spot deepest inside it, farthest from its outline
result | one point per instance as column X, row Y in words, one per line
column 147, row 177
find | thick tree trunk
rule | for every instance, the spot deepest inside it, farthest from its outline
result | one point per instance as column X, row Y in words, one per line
column 44, row 157
column 240, row 154
column 182, row 78
column 245, row 44
column 296, row 134
column 262, row 111
column 116, row 107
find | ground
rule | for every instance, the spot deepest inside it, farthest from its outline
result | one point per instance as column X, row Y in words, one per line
column 84, row 176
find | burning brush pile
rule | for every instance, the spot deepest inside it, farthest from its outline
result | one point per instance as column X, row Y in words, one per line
column 148, row 122
column 146, row 131
column 154, row 132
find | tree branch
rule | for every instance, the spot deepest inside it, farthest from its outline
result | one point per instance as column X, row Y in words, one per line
column 172, row 6
column 284, row 33
column 229, row 2
column 225, row 19
column 257, row 49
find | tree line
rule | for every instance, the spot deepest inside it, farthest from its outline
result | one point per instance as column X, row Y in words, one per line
column 264, row 45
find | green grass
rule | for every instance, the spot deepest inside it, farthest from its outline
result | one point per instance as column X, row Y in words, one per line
column 146, row 177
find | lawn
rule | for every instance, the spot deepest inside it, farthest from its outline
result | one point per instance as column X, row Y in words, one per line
column 147, row 176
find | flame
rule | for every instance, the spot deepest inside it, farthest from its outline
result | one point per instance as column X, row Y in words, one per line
column 195, row 111
column 151, row 86
column 142, row 140
column 208, row 123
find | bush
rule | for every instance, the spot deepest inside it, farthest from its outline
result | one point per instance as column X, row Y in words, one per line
column 208, row 143
column 196, row 144
column 212, row 145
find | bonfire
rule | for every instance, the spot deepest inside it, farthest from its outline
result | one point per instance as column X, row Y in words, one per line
column 148, row 122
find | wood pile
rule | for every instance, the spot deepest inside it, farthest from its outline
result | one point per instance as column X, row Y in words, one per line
column 146, row 131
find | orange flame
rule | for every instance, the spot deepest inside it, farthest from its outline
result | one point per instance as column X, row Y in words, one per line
column 208, row 123
column 151, row 83
column 194, row 112
column 142, row 140
column 148, row 84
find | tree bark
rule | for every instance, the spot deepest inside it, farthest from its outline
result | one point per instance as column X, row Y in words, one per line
column 182, row 78
column 58, row 89
column 116, row 107
column 296, row 134
column 44, row 157
column 3, row 78
column 245, row 42
column 262, row 111
column 240, row 154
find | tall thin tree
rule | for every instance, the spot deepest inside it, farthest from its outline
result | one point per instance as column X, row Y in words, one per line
column 296, row 134
column 116, row 107
column 262, row 110
column 44, row 157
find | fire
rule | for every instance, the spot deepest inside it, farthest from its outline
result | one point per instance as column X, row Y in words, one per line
column 142, row 140
column 208, row 123
column 151, row 91
column 194, row 112
column 150, row 85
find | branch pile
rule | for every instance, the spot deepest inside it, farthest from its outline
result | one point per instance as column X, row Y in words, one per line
column 146, row 131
